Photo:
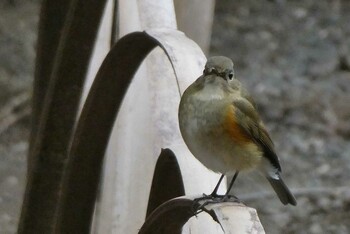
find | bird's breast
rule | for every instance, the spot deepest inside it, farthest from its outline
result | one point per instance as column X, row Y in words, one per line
column 212, row 134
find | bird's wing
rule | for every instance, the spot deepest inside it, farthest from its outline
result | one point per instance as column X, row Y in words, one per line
column 245, row 94
column 252, row 125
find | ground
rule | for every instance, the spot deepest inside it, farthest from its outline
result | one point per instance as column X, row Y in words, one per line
column 18, row 32
column 293, row 56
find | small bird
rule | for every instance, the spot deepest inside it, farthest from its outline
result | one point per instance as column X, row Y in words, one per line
column 221, row 127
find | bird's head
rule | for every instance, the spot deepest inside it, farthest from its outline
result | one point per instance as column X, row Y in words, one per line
column 220, row 66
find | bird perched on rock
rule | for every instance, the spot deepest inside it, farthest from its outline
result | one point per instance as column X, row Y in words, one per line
column 221, row 127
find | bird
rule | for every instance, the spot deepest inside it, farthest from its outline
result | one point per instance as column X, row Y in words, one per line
column 220, row 124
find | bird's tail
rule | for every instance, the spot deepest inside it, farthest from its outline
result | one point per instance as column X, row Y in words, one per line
column 283, row 193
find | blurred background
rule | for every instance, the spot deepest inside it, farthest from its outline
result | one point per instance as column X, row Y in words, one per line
column 293, row 56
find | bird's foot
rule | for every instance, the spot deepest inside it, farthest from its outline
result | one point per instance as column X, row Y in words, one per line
column 230, row 198
column 212, row 196
column 199, row 207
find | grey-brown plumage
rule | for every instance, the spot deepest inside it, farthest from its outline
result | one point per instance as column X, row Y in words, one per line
column 252, row 125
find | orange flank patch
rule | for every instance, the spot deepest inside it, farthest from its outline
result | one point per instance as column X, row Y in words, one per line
column 233, row 129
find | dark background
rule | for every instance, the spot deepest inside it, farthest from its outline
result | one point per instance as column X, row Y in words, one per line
column 293, row 56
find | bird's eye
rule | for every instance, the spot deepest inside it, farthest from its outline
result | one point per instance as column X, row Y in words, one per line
column 230, row 76
column 209, row 70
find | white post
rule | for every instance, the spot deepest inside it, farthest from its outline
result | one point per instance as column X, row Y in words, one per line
column 147, row 122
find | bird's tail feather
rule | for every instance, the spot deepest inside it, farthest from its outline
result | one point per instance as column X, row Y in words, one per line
column 283, row 193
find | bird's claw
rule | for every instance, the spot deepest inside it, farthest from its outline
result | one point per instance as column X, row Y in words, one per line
column 211, row 199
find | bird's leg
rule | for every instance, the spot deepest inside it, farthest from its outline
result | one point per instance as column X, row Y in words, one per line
column 215, row 198
column 227, row 195
column 215, row 191
column 232, row 182
column 211, row 196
